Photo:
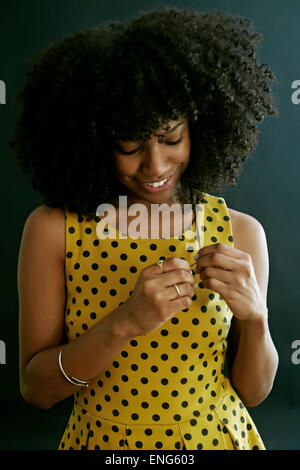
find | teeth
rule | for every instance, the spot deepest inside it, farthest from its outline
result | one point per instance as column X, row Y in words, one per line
column 155, row 185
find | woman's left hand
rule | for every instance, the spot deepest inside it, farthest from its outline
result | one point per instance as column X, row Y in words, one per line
column 230, row 272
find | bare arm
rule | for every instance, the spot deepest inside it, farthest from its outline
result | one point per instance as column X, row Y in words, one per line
column 256, row 359
column 41, row 287
column 240, row 275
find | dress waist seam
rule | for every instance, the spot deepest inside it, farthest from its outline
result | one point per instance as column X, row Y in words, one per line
column 203, row 413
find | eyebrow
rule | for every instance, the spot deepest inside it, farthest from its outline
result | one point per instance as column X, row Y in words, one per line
column 170, row 130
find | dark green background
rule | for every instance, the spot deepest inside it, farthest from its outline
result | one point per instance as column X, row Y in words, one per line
column 268, row 189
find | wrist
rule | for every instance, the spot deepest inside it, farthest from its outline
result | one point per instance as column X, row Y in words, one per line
column 258, row 321
column 121, row 328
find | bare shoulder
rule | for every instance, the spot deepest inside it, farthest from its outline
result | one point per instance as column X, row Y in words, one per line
column 246, row 229
column 46, row 225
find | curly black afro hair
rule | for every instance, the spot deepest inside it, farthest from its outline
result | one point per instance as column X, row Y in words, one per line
column 126, row 80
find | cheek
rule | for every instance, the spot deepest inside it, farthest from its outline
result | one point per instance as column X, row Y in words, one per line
column 125, row 167
column 180, row 154
column 185, row 153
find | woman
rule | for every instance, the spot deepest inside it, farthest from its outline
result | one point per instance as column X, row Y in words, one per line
column 163, row 110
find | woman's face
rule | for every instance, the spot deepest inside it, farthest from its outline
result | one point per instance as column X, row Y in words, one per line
column 152, row 170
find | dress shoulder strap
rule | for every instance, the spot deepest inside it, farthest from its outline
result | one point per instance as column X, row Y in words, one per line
column 213, row 221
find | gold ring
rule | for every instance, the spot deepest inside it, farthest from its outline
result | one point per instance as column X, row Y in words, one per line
column 177, row 290
column 160, row 264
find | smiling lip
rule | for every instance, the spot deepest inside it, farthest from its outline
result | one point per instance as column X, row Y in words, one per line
column 161, row 188
column 156, row 181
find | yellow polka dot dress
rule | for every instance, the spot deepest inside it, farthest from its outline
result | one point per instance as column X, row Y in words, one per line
column 167, row 389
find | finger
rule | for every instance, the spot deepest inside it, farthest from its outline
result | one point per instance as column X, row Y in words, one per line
column 217, row 286
column 184, row 290
column 221, row 248
column 215, row 273
column 217, row 260
column 181, row 303
column 179, row 276
column 170, row 264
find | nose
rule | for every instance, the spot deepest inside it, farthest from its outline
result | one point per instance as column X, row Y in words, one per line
column 155, row 161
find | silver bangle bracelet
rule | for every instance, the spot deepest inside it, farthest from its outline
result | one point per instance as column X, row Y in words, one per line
column 72, row 380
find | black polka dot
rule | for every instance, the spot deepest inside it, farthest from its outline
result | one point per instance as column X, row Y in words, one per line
column 176, row 372
column 139, row 444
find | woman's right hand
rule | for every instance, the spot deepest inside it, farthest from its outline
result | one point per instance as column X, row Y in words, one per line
column 155, row 299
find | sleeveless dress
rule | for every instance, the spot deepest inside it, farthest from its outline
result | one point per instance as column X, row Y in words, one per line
column 166, row 389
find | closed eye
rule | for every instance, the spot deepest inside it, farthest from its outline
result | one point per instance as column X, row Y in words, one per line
column 123, row 152
column 174, row 143
column 132, row 152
